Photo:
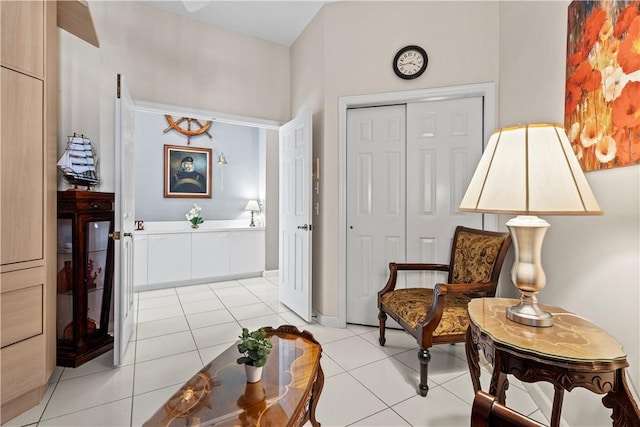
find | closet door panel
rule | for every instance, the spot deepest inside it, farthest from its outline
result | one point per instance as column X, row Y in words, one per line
column 375, row 204
column 444, row 145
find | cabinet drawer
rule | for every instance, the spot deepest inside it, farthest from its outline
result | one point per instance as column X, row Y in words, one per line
column 21, row 316
column 22, row 367
column 74, row 201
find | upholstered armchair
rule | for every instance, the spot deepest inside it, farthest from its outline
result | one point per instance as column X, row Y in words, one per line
column 439, row 315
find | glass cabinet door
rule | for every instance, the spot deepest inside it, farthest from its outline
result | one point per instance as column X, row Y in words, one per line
column 95, row 268
column 65, row 280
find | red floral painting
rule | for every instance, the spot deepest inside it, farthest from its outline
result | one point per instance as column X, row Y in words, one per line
column 602, row 98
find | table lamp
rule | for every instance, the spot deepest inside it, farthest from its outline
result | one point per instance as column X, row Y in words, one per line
column 529, row 170
column 252, row 205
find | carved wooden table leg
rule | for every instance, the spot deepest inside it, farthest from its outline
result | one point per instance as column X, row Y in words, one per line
column 558, row 397
column 315, row 395
column 620, row 400
column 473, row 359
column 499, row 381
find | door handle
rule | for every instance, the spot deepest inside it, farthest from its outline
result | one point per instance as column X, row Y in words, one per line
column 303, row 227
column 116, row 235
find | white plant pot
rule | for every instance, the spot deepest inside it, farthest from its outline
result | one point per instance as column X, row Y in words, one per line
column 253, row 374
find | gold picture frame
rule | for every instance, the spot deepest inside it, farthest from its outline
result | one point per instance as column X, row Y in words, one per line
column 187, row 172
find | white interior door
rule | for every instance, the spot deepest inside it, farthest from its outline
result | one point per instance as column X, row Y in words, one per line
column 376, row 152
column 295, row 215
column 444, row 146
column 408, row 167
column 124, row 218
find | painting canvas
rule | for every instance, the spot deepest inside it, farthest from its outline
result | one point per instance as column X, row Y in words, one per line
column 602, row 98
column 187, row 172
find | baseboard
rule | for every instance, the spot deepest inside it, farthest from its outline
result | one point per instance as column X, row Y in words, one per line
column 271, row 274
column 328, row 321
column 202, row 281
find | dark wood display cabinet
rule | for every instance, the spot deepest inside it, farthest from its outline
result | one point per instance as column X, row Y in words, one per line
column 85, row 276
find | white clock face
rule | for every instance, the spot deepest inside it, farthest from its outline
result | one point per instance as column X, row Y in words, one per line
column 410, row 62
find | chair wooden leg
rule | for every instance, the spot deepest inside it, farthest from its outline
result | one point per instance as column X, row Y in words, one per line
column 424, row 356
column 382, row 317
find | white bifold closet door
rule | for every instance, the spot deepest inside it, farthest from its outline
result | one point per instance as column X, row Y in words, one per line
column 408, row 167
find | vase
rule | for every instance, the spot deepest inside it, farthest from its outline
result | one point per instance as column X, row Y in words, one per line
column 254, row 374
column 195, row 225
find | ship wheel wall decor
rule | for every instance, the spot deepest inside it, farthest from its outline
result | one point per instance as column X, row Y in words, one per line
column 198, row 127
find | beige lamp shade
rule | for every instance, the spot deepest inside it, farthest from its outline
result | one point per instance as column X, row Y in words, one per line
column 530, row 170
column 252, row 205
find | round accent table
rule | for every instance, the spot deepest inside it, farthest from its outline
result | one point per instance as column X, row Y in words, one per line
column 572, row 353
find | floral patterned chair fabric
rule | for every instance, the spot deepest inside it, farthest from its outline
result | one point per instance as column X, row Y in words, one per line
column 439, row 315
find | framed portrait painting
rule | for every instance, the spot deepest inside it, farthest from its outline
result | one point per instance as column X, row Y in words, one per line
column 602, row 88
column 187, row 172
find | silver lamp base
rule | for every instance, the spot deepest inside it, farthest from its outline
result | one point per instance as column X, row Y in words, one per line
column 527, row 273
column 529, row 313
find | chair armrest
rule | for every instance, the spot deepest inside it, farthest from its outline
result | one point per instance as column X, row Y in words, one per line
column 434, row 315
column 420, row 266
column 467, row 288
column 393, row 274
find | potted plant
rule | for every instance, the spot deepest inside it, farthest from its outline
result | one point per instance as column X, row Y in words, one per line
column 193, row 216
column 255, row 347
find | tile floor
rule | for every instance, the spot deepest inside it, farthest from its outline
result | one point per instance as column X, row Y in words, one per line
column 179, row 330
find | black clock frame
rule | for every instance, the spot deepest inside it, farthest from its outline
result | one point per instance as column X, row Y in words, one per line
column 403, row 50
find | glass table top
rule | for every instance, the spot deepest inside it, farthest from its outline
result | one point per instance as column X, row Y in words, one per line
column 219, row 394
column 570, row 337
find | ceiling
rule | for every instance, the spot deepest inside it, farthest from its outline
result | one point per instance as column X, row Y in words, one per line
column 275, row 21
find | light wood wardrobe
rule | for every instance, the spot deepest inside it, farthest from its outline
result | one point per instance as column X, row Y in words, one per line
column 28, row 155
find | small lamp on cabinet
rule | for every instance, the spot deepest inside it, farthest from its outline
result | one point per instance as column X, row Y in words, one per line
column 252, row 205
column 529, row 170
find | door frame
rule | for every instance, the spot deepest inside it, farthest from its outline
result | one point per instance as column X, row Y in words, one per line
column 485, row 90
column 183, row 111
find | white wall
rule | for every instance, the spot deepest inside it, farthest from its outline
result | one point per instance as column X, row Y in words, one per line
column 169, row 60
column 232, row 185
column 592, row 263
column 358, row 41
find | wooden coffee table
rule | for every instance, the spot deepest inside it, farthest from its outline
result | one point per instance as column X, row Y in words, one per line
column 219, row 394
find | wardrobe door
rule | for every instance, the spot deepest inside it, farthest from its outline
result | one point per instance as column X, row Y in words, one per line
column 21, row 168
column 408, row 167
column 444, row 146
column 22, row 24
column 375, row 204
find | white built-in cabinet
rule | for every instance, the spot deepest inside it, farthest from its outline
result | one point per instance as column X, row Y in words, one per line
column 211, row 254
column 197, row 256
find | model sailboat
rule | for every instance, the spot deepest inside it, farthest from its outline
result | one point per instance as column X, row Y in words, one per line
column 78, row 162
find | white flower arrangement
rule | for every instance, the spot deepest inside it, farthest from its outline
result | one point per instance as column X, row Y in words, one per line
column 193, row 216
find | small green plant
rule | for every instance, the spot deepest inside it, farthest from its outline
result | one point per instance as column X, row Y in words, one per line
column 255, row 347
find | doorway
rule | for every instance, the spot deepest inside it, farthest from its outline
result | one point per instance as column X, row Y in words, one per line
column 420, row 249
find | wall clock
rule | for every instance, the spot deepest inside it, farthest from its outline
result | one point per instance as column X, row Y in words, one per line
column 410, row 62
column 186, row 128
